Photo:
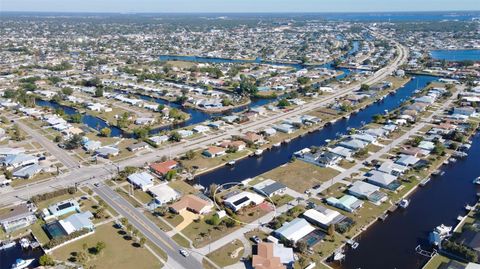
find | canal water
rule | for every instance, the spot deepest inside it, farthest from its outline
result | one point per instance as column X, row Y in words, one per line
column 89, row 120
column 456, row 55
column 254, row 166
column 10, row 255
column 391, row 244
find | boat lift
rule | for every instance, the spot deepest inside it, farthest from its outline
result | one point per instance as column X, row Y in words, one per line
column 425, row 253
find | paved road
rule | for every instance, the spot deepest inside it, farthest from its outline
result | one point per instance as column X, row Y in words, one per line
column 51, row 147
column 149, row 229
column 85, row 174
column 375, row 156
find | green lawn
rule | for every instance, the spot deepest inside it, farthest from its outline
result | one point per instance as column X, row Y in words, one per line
column 182, row 241
column 436, row 261
column 299, row 175
column 202, row 233
column 119, row 252
column 228, row 254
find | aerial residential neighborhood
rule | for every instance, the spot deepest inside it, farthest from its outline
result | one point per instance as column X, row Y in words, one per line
column 249, row 134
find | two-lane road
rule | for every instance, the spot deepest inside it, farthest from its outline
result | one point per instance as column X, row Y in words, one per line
column 149, row 229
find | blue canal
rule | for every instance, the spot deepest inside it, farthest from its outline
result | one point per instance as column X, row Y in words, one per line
column 456, row 55
column 391, row 244
column 89, row 120
column 254, row 166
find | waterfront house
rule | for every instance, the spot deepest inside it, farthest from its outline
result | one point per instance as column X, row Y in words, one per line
column 364, row 137
column 377, row 132
column 353, row 144
column 367, row 191
column 346, row 202
column 407, row 160
column 251, row 137
column 18, row 217
column 144, row 121
column 163, row 193
column 269, row 132
column 426, row 145
column 243, row 199
column 323, row 217
column 342, row 152
column 161, row 169
column 198, row 204
column 141, row 180
column 383, row 180
column 270, row 188
column 214, row 151
column 294, row 230
column 64, row 207
column 77, row 222
column 392, row 168
column 284, row 128
column 236, row 145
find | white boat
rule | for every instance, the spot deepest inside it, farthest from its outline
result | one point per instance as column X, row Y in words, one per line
column 477, row 181
column 338, row 256
column 231, row 162
column 258, row 152
column 25, row 243
column 404, row 203
column 277, row 144
column 7, row 244
column 21, row 263
column 328, row 140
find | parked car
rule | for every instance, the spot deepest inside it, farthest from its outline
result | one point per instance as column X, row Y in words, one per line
column 256, row 239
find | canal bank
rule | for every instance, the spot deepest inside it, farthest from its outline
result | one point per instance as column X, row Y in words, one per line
column 89, row 120
column 391, row 244
column 253, row 166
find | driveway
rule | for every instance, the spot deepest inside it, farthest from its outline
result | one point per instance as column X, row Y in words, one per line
column 188, row 217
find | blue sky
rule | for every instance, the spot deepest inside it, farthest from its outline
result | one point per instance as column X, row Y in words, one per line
column 237, row 5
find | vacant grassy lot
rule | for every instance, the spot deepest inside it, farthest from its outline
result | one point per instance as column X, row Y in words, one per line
column 119, row 252
column 436, row 261
column 202, row 233
column 299, row 175
column 202, row 163
column 228, row 254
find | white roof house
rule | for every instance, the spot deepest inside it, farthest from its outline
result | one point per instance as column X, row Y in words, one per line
column 390, row 167
column 353, row 144
column 364, row 190
column 159, row 139
column 323, row 217
column 407, row 160
column 295, row 229
column 141, row 180
column 381, row 179
column 426, row 145
column 243, row 199
column 163, row 193
column 201, row 129
column 19, row 160
column 342, row 152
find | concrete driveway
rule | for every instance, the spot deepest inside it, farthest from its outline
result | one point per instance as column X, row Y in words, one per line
column 188, row 217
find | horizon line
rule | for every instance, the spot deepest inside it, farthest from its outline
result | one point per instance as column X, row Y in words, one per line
column 238, row 12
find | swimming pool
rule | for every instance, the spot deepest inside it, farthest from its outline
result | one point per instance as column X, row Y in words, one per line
column 54, row 230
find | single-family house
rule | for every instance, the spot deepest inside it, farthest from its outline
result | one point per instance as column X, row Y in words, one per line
column 346, row 202
column 199, row 204
column 270, row 188
column 142, row 180
column 214, row 151
column 161, row 169
column 323, row 217
column 163, row 193
column 294, row 230
column 243, row 199
column 367, row 191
